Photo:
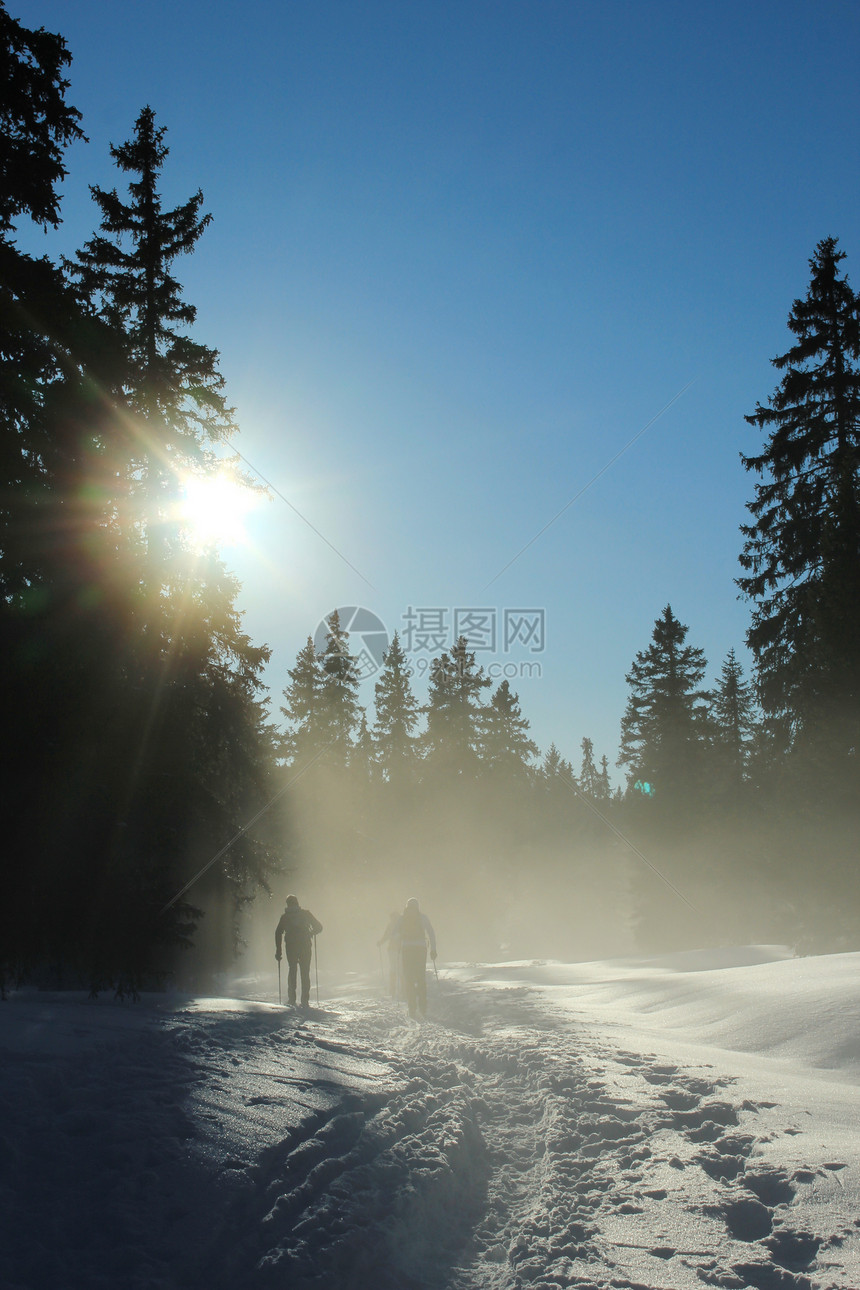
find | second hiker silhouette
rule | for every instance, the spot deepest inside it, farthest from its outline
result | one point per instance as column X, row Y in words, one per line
column 298, row 927
column 416, row 931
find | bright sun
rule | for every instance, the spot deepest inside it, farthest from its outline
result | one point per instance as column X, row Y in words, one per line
column 214, row 508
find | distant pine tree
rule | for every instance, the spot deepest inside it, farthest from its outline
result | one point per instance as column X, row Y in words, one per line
column 454, row 710
column 507, row 749
column 340, row 710
column 551, row 762
column 664, row 727
column 362, row 762
column 556, row 773
column 734, row 721
column 304, row 739
column 397, row 715
column 604, row 785
column 589, row 780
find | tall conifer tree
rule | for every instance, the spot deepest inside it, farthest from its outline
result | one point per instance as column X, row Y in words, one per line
column 52, row 640
column 801, row 558
column 188, row 678
column 127, row 269
column 37, row 123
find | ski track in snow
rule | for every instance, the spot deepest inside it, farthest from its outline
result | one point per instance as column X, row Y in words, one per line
column 495, row 1147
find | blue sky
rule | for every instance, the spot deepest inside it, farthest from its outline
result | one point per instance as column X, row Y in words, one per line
column 461, row 255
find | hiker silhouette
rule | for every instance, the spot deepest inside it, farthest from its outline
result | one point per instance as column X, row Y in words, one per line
column 416, row 931
column 297, row 927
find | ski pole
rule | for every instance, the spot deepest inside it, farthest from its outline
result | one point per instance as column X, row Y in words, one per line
column 279, row 983
column 316, row 972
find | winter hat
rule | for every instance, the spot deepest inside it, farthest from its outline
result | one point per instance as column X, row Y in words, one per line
column 292, row 900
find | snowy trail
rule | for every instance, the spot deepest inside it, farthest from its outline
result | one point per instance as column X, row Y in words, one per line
column 507, row 1143
column 616, row 1168
column 509, row 1151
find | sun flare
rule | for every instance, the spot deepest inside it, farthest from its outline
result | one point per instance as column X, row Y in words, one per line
column 214, row 509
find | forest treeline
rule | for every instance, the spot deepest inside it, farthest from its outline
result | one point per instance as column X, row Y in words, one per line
column 139, row 742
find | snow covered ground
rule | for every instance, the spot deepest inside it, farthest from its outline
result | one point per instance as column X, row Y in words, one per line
column 684, row 1122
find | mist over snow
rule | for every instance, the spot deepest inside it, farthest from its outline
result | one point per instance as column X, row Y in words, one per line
column 678, row 1122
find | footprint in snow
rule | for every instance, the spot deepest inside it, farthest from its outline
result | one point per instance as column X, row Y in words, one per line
column 795, row 1251
column 747, row 1219
column 771, row 1186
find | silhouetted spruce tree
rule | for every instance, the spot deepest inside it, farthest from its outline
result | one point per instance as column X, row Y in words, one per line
column 733, row 713
column 801, row 556
column 454, row 709
column 592, row 787
column 604, row 785
column 329, row 752
column 594, row 798
column 665, row 745
column 664, row 727
column 507, row 749
column 172, row 387
column 362, row 762
column 397, row 715
column 37, row 123
column 589, row 776
column 61, row 591
column 557, row 805
column 304, row 738
column 173, row 380
column 195, row 755
column 549, row 767
column 556, row 772
column 340, row 710
column 39, row 319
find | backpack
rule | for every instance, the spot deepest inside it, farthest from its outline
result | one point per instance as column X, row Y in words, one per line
column 411, row 927
column 295, row 924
